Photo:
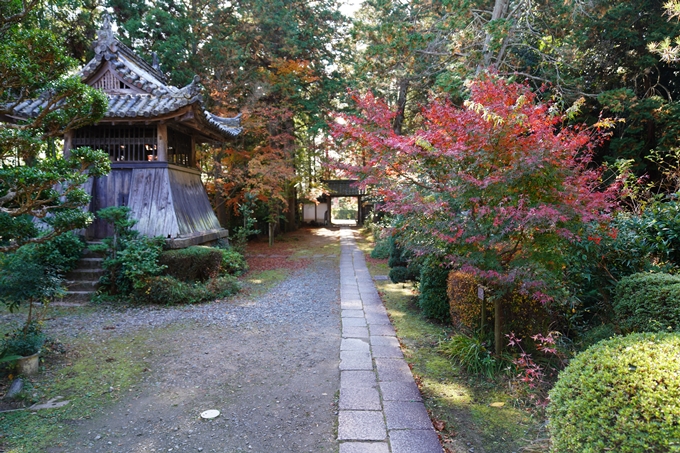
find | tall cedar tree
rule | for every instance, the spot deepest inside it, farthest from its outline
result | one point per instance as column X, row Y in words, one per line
column 272, row 61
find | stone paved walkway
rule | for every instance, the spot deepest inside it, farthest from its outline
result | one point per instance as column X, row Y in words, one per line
column 381, row 410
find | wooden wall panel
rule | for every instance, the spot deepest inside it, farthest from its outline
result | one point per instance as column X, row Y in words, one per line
column 110, row 190
column 165, row 201
column 151, row 203
column 192, row 206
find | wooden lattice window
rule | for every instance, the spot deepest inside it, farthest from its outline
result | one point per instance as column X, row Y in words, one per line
column 179, row 148
column 109, row 82
column 123, row 143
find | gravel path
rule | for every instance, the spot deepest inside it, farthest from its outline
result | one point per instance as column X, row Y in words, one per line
column 269, row 364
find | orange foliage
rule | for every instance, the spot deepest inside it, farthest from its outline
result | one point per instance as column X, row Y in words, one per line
column 522, row 314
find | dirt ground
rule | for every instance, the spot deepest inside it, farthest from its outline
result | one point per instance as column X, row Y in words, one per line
column 274, row 386
column 271, row 369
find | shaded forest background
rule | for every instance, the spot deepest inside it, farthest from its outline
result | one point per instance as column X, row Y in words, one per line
column 287, row 66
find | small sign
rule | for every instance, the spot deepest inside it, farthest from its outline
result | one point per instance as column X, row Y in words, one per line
column 480, row 292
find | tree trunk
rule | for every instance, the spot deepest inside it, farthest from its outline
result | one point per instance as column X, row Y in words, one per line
column 291, row 215
column 499, row 10
column 398, row 121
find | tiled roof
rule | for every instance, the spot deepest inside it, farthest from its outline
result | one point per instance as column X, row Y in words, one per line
column 152, row 96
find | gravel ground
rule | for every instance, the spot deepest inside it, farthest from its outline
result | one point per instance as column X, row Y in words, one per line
column 268, row 363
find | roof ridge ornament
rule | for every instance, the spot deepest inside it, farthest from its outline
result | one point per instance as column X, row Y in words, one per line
column 193, row 89
column 105, row 39
column 155, row 63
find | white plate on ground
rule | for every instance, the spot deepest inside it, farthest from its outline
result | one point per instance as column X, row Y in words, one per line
column 212, row 413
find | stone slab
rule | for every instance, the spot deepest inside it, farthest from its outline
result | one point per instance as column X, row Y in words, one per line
column 415, row 441
column 361, row 425
column 364, row 447
column 376, row 309
column 354, row 378
column 377, row 318
column 393, row 370
column 354, row 304
column 393, row 352
column 382, row 330
column 400, row 391
column 355, row 360
column 356, row 322
column 384, row 341
column 352, row 314
column 354, row 332
column 360, row 398
column 354, row 344
column 406, row 415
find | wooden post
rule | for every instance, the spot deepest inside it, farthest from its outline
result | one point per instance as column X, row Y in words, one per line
column 68, row 144
column 480, row 296
column 162, row 143
column 330, row 220
column 192, row 156
column 497, row 315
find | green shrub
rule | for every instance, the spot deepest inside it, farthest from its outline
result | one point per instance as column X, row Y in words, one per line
column 398, row 257
column 400, row 274
column 61, row 254
column 24, row 342
column 465, row 308
column 620, row 395
column 381, row 251
column 167, row 290
column 23, row 278
column 196, row 263
column 432, row 298
column 648, row 302
column 471, row 354
column 595, row 265
column 597, row 334
column 129, row 268
column 223, row 286
column 233, row 262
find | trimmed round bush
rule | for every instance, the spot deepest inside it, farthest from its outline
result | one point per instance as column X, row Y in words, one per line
column 233, row 262
column 648, row 302
column 620, row 395
column 195, row 263
column 400, row 274
column 224, row 286
column 522, row 314
column 381, row 251
column 465, row 308
column 432, row 298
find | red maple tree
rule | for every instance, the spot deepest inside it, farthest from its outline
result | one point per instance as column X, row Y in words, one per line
column 498, row 187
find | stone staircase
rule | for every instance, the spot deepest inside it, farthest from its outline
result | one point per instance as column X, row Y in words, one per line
column 82, row 282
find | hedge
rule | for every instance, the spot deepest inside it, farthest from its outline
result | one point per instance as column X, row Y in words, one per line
column 648, row 302
column 620, row 395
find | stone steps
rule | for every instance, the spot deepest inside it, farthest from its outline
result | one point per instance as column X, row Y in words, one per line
column 83, row 281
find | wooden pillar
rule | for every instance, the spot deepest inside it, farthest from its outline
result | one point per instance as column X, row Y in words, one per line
column 162, row 143
column 68, row 144
column 192, row 156
column 329, row 210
